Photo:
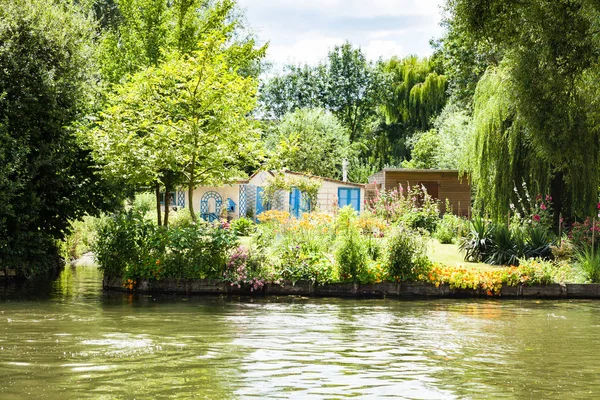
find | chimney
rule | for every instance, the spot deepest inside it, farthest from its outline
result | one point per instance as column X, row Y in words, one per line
column 345, row 170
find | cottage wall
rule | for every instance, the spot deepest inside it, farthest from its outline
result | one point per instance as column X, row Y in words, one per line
column 447, row 184
column 226, row 191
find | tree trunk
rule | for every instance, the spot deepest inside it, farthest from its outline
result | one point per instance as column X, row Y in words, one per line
column 158, row 215
column 167, row 203
column 556, row 191
column 191, row 189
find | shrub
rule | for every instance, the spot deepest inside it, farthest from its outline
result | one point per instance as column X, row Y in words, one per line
column 478, row 242
column 303, row 264
column 581, row 233
column 374, row 272
column 451, row 227
column 246, row 268
column 502, row 250
column 80, row 239
column 351, row 254
column 538, row 242
column 242, row 226
column 406, row 258
column 588, row 260
column 132, row 247
column 565, row 251
column 444, row 233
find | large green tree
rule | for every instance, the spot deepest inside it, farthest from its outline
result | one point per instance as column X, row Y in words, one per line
column 346, row 84
column 188, row 116
column 311, row 141
column 46, row 179
column 543, row 96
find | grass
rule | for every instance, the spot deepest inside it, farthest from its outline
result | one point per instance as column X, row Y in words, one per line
column 448, row 254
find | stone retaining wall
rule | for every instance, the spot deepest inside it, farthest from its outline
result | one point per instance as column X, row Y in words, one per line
column 374, row 290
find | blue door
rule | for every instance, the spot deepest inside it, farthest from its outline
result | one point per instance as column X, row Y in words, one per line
column 259, row 201
column 349, row 197
column 295, row 200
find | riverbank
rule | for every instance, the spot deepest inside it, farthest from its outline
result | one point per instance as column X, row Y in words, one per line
column 405, row 290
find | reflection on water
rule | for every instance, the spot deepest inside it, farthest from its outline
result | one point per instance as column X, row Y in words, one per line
column 68, row 339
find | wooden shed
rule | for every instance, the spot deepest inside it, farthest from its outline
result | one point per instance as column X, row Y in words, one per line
column 440, row 184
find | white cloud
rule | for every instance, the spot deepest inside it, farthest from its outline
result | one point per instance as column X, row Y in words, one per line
column 303, row 31
column 310, row 48
column 383, row 48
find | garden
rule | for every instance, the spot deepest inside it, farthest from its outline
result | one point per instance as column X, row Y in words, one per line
column 399, row 237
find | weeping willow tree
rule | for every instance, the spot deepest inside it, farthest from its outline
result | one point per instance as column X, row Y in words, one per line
column 418, row 92
column 504, row 163
column 540, row 107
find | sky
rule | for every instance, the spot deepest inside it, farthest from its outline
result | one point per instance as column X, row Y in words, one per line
column 303, row 31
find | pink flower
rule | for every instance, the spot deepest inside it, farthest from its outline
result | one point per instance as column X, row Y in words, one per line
column 548, row 198
column 598, row 206
column 536, row 218
column 543, row 207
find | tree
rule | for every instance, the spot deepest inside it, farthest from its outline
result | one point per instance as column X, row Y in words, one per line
column 187, row 116
column 346, row 84
column 418, row 93
column 150, row 30
column 425, row 146
column 310, row 141
column 550, row 54
column 46, row 179
column 355, row 88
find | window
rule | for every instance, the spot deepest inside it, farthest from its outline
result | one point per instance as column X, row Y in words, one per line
column 171, row 198
column 349, row 197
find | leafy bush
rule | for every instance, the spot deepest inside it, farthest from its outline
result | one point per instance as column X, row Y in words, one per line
column 538, row 242
column 351, row 255
column 80, row 239
column 413, row 207
column 304, row 264
column 588, row 260
column 444, row 233
column 565, row 251
column 374, row 272
column 406, row 257
column 478, row 242
column 451, row 227
column 502, row 250
column 130, row 246
column 242, row 226
column 246, row 268
column 581, row 233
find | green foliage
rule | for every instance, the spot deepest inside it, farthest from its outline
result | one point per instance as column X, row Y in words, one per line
column 498, row 244
column 451, row 227
column 243, row 226
column 535, row 115
column 46, row 86
column 310, row 141
column 81, row 237
column 425, row 146
column 346, row 84
column 130, row 246
column 419, row 93
column 183, row 121
column 351, row 254
column 588, row 260
column 300, row 263
column 308, row 187
column 478, row 243
column 412, row 206
column 406, row 255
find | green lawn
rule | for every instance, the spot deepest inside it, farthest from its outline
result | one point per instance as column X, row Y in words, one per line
column 448, row 254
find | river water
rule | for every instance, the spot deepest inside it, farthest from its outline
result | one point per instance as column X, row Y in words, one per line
column 68, row 339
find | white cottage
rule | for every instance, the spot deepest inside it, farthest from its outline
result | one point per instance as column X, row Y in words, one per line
column 244, row 197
